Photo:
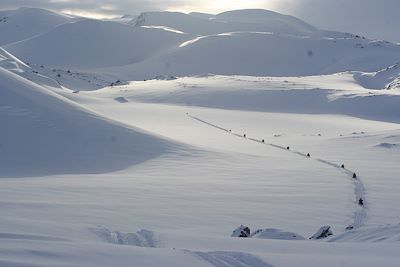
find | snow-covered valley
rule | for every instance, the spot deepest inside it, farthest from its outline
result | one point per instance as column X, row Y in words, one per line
column 118, row 147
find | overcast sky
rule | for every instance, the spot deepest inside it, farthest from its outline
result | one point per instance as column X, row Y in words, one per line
column 373, row 18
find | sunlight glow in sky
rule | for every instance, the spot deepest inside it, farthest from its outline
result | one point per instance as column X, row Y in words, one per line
column 88, row 14
column 214, row 7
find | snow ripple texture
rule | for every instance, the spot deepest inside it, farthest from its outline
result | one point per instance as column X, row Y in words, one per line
column 230, row 259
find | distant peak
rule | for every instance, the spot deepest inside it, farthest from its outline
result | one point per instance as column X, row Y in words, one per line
column 249, row 10
column 36, row 10
column 127, row 17
column 24, row 9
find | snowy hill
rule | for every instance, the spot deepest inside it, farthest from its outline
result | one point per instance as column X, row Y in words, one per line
column 265, row 54
column 23, row 23
column 119, row 147
column 388, row 78
column 10, row 62
column 38, row 124
column 245, row 42
column 93, row 44
column 54, row 78
column 202, row 15
column 278, row 22
column 233, row 21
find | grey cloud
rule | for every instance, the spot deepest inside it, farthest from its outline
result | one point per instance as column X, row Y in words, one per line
column 373, row 18
column 108, row 7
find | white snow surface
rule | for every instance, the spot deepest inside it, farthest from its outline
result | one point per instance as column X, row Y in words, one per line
column 24, row 23
column 388, row 78
column 161, row 164
column 232, row 21
column 264, row 54
column 87, row 44
column 36, row 124
column 244, row 42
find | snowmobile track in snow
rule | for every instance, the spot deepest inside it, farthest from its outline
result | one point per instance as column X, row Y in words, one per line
column 360, row 213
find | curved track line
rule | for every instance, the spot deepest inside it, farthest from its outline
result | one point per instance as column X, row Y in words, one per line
column 360, row 213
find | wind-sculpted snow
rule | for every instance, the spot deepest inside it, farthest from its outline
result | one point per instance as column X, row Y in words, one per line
column 29, row 237
column 387, row 233
column 44, row 134
column 230, row 259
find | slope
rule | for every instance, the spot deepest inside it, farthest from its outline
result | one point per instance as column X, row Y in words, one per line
column 278, row 22
column 266, row 54
column 161, row 45
column 239, row 20
column 43, row 134
column 93, row 44
column 54, row 78
column 388, row 78
column 23, row 23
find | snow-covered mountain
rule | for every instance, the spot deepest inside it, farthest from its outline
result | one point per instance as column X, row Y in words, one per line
column 232, row 21
column 121, row 146
column 244, row 42
column 24, row 23
column 266, row 54
column 89, row 44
